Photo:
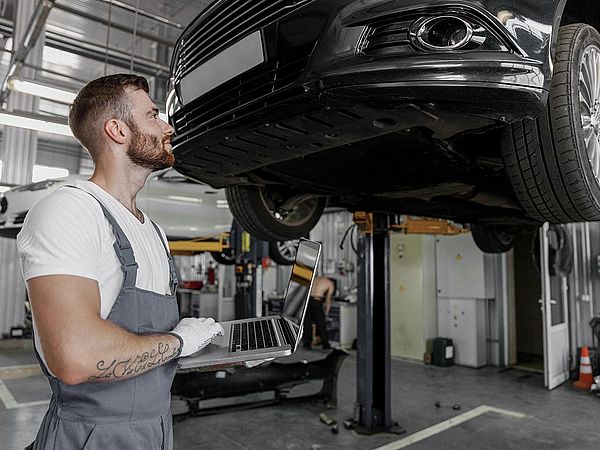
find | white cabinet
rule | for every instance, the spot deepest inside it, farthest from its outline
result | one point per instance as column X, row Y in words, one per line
column 465, row 286
column 463, row 271
column 464, row 321
column 412, row 294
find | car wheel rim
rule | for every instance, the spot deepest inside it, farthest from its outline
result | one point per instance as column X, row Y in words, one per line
column 589, row 105
column 294, row 216
column 287, row 249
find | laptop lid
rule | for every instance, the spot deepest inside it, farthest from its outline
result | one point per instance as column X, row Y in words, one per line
column 299, row 286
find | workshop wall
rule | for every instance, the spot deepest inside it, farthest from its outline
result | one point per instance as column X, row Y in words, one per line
column 412, row 294
column 336, row 228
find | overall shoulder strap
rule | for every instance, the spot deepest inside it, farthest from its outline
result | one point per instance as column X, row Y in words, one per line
column 173, row 272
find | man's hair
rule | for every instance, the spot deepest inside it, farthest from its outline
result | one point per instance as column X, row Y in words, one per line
column 100, row 100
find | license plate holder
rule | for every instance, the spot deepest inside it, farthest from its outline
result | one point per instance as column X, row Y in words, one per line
column 240, row 57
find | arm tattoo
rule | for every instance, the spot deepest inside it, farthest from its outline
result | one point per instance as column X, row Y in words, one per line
column 116, row 370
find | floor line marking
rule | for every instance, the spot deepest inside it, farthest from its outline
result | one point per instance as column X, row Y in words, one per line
column 37, row 403
column 18, row 372
column 6, row 397
column 447, row 424
column 11, row 403
column 23, row 366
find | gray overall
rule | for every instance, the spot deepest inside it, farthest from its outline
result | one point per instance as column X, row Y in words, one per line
column 130, row 414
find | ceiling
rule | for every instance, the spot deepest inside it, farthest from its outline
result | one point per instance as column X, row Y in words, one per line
column 85, row 39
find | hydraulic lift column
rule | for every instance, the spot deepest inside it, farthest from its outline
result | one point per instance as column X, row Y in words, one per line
column 248, row 273
column 373, row 377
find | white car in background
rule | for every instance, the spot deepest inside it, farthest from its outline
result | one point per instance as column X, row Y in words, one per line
column 185, row 209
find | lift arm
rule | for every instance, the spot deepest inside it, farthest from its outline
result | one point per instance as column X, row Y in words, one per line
column 199, row 245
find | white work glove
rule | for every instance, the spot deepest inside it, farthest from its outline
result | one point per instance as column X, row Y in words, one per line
column 196, row 333
column 258, row 362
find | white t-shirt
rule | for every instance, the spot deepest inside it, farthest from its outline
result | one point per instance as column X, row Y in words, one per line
column 66, row 233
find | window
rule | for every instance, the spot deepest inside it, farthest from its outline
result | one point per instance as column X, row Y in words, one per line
column 41, row 173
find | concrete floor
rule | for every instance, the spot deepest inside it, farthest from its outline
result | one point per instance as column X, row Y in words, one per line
column 561, row 419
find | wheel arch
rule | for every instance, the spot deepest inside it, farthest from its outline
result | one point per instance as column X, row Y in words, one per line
column 575, row 11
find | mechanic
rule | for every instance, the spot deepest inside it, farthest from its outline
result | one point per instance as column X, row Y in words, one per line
column 318, row 307
column 102, row 283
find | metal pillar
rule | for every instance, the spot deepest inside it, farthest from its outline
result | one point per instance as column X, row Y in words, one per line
column 373, row 381
column 248, row 273
column 244, row 273
column 18, row 153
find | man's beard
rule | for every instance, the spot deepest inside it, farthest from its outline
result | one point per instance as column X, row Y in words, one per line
column 147, row 151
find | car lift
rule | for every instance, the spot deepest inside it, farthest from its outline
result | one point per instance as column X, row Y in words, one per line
column 248, row 268
column 372, row 412
column 248, row 272
column 201, row 244
column 373, row 375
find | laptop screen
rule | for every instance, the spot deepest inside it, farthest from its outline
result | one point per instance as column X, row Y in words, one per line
column 301, row 278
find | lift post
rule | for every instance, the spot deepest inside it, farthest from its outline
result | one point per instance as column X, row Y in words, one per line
column 373, row 381
column 248, row 273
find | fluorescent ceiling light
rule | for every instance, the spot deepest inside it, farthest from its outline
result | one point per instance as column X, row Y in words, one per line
column 41, row 90
column 35, row 122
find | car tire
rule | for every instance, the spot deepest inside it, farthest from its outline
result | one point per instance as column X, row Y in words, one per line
column 226, row 257
column 283, row 252
column 492, row 239
column 553, row 167
column 250, row 206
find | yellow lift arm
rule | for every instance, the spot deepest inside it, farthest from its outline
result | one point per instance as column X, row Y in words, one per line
column 426, row 225
column 199, row 245
column 410, row 225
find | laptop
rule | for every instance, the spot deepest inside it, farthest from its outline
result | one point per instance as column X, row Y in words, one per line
column 264, row 337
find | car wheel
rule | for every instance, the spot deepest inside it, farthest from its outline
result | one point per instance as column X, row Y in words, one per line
column 271, row 216
column 553, row 162
column 492, row 239
column 283, row 252
column 226, row 257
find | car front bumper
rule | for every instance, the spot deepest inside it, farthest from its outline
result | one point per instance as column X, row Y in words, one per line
column 338, row 95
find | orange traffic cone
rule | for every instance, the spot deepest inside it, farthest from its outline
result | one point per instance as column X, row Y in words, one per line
column 585, row 370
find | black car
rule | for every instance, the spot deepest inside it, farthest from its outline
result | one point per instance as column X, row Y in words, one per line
column 483, row 112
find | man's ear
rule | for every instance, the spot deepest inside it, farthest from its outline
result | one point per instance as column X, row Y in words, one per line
column 116, row 130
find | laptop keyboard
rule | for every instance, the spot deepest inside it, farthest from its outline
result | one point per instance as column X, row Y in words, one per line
column 253, row 335
column 287, row 332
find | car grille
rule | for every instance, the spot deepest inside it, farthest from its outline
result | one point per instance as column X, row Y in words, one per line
column 256, row 89
column 224, row 24
column 386, row 38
